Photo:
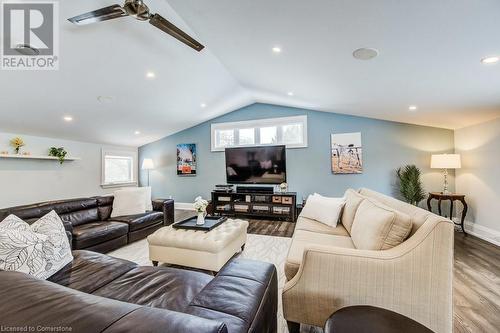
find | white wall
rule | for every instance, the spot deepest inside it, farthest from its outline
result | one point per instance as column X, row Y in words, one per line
column 479, row 178
column 29, row 181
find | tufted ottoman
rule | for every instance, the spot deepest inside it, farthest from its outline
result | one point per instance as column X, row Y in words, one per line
column 198, row 249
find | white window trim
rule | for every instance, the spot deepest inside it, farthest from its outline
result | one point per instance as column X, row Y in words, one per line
column 120, row 152
column 278, row 122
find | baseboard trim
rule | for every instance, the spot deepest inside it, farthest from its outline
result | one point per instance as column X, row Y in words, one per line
column 490, row 235
column 184, row 205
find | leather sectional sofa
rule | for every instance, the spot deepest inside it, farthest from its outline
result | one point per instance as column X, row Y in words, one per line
column 90, row 226
column 99, row 293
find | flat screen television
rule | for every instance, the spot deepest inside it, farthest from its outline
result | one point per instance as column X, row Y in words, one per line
column 256, row 165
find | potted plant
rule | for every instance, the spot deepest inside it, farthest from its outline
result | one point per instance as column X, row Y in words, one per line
column 17, row 143
column 200, row 205
column 60, row 153
column 410, row 185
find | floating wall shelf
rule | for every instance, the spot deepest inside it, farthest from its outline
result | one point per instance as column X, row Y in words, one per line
column 39, row 157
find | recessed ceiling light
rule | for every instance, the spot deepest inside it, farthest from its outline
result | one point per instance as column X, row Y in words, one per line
column 68, row 118
column 365, row 53
column 490, row 60
column 412, row 108
column 277, row 49
column 203, row 105
column 105, row 99
column 150, row 75
column 137, row 132
column 290, row 93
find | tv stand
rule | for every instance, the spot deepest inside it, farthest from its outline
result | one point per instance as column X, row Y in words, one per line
column 255, row 189
column 269, row 204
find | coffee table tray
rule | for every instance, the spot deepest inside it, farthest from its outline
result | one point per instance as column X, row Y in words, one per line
column 210, row 223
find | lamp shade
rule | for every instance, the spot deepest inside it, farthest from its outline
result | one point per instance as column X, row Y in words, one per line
column 147, row 164
column 446, row 161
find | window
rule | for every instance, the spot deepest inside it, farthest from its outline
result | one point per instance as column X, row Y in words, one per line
column 225, row 138
column 268, row 135
column 246, row 136
column 292, row 133
column 289, row 131
column 119, row 168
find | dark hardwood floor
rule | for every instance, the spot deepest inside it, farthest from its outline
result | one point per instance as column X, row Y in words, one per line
column 476, row 282
column 476, row 285
column 271, row 228
column 181, row 214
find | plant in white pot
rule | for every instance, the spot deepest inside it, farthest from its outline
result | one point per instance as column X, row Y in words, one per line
column 200, row 205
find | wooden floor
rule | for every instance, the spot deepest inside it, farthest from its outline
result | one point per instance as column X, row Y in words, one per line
column 476, row 283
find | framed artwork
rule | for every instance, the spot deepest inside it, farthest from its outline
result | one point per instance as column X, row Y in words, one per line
column 347, row 153
column 186, row 159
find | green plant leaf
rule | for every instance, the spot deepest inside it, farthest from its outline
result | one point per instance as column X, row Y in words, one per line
column 60, row 153
column 410, row 185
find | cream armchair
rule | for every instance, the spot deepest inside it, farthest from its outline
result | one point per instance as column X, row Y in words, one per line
column 413, row 278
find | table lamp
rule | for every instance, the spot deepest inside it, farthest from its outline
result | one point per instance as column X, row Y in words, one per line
column 147, row 164
column 445, row 161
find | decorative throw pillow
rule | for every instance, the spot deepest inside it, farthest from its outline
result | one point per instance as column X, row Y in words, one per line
column 14, row 222
column 129, row 202
column 40, row 250
column 323, row 209
column 379, row 227
column 353, row 200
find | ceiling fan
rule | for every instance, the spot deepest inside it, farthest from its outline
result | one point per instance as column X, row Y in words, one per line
column 138, row 10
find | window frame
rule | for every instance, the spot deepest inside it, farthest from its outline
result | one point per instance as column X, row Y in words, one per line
column 256, row 125
column 124, row 153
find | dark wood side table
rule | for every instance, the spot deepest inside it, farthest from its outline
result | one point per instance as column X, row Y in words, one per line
column 440, row 196
column 370, row 319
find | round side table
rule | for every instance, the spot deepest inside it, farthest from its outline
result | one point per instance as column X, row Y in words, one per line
column 440, row 196
column 370, row 319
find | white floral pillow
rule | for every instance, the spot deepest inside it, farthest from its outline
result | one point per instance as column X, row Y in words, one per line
column 40, row 249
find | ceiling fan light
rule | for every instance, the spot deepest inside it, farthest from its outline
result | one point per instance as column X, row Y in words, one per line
column 365, row 53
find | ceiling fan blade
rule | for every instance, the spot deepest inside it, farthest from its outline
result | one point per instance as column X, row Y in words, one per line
column 99, row 15
column 166, row 26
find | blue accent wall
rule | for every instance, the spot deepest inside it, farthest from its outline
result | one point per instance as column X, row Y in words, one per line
column 386, row 146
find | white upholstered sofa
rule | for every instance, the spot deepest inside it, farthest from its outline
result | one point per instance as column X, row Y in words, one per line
column 326, row 271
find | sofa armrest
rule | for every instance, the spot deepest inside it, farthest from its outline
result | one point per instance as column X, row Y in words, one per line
column 414, row 279
column 243, row 295
column 166, row 206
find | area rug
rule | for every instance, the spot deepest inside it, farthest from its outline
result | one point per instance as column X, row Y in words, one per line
column 258, row 247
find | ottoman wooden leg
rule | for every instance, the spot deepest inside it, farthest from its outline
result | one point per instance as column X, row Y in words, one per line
column 155, row 263
column 243, row 247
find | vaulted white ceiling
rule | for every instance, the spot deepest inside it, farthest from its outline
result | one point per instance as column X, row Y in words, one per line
column 430, row 55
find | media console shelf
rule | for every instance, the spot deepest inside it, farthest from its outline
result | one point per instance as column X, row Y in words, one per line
column 264, row 205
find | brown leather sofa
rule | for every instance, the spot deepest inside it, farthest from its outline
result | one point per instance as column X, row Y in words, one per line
column 99, row 293
column 90, row 226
